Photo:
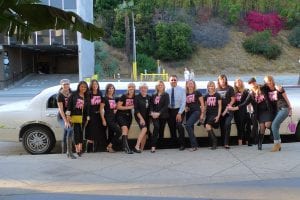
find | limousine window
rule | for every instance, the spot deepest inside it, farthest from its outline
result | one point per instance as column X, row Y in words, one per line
column 52, row 102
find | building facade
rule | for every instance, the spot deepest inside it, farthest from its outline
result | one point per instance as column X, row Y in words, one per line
column 49, row 51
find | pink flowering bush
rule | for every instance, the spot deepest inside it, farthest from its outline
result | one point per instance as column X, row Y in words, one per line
column 260, row 22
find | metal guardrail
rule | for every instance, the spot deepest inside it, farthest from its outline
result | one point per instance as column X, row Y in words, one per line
column 154, row 77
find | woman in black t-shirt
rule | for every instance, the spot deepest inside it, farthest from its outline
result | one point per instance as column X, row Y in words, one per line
column 227, row 95
column 124, row 115
column 213, row 107
column 159, row 112
column 281, row 106
column 194, row 111
column 95, row 132
column 79, row 104
column 108, row 110
column 141, row 114
column 241, row 116
column 262, row 108
column 62, row 103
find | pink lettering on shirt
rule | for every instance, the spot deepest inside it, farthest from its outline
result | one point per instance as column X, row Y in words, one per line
column 157, row 99
column 112, row 104
column 96, row 100
column 79, row 104
column 211, row 101
column 273, row 96
column 129, row 102
column 238, row 97
column 260, row 98
column 190, row 98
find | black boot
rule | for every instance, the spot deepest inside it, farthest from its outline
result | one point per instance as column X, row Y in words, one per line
column 214, row 140
column 69, row 148
column 260, row 141
column 89, row 147
column 126, row 147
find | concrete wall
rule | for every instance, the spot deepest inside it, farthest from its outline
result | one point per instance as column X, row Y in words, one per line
column 86, row 52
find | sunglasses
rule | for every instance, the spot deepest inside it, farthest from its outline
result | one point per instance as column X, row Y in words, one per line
column 173, row 80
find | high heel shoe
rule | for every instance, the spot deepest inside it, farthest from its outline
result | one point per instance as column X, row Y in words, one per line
column 137, row 150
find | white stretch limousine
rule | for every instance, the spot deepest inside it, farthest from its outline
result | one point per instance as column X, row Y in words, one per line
column 34, row 122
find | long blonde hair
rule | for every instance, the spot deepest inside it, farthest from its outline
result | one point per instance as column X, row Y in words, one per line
column 156, row 86
column 241, row 89
column 186, row 86
column 211, row 83
column 270, row 79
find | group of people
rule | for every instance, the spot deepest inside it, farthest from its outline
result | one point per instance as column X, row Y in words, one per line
column 87, row 111
column 188, row 74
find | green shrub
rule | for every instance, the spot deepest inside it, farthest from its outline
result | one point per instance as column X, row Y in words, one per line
column 173, row 41
column 260, row 44
column 145, row 62
column 117, row 39
column 294, row 37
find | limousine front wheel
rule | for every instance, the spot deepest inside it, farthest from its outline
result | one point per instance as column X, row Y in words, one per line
column 38, row 140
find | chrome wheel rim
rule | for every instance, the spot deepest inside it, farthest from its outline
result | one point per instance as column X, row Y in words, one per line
column 38, row 142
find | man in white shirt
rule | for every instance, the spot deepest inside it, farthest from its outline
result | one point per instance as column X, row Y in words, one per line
column 186, row 74
column 176, row 111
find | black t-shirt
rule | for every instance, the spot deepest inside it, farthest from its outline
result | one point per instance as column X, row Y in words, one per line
column 261, row 102
column 276, row 98
column 110, row 104
column 61, row 98
column 226, row 94
column 142, row 105
column 281, row 102
column 212, row 104
column 95, row 102
column 78, row 105
column 240, row 97
column 192, row 101
column 126, row 101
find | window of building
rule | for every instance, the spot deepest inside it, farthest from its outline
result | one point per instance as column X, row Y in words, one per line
column 56, row 3
column 57, row 37
column 70, row 37
column 43, row 37
column 69, row 4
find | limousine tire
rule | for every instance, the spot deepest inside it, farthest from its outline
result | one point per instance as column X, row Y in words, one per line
column 38, row 140
column 297, row 133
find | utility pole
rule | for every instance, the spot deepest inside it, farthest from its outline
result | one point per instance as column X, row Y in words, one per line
column 134, row 65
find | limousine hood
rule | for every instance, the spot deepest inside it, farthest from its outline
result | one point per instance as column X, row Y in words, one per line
column 16, row 106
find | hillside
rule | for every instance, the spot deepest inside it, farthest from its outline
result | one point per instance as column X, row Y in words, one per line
column 233, row 59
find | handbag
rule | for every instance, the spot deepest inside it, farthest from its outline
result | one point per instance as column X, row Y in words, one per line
column 292, row 126
column 76, row 119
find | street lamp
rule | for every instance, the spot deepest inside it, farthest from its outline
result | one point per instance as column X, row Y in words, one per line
column 134, row 65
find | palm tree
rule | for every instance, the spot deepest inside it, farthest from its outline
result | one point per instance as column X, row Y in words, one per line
column 22, row 17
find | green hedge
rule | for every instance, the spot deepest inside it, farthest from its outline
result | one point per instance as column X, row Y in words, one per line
column 294, row 37
column 260, row 44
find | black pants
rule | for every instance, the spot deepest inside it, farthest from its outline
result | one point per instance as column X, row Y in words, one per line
column 114, row 128
column 173, row 126
column 240, row 122
column 159, row 128
column 225, row 125
column 254, row 128
column 78, row 133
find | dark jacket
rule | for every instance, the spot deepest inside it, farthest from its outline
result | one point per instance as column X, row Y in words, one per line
column 160, row 104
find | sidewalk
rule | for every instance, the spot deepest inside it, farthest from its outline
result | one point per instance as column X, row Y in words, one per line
column 239, row 173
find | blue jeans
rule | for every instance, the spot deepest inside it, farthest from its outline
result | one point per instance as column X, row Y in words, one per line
column 191, row 119
column 281, row 115
column 68, row 132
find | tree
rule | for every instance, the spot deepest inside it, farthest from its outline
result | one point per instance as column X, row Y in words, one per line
column 22, row 17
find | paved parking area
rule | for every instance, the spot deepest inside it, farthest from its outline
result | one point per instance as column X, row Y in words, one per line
column 239, row 173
